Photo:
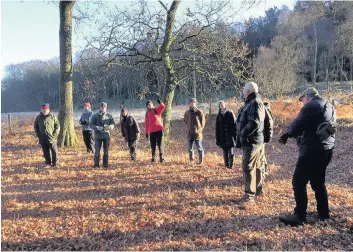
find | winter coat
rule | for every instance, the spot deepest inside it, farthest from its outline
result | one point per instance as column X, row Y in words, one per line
column 226, row 129
column 129, row 128
column 195, row 122
column 84, row 120
column 250, row 122
column 305, row 125
column 153, row 119
column 47, row 128
column 102, row 120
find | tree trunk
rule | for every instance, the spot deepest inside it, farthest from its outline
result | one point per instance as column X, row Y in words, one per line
column 169, row 71
column 67, row 136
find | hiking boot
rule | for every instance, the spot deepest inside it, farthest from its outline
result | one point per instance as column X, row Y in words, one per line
column 293, row 220
column 54, row 165
column 153, row 160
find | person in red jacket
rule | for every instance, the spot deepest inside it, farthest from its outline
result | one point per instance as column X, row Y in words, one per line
column 154, row 128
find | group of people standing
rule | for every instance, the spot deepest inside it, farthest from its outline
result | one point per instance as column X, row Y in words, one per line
column 250, row 130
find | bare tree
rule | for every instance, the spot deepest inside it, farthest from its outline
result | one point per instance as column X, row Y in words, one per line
column 153, row 34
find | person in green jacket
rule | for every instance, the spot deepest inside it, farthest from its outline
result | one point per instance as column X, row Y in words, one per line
column 47, row 128
column 102, row 123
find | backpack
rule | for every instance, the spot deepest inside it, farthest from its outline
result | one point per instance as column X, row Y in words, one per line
column 328, row 127
column 268, row 123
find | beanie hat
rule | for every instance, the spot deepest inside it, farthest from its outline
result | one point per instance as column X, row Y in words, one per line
column 220, row 102
column 123, row 110
column 45, row 106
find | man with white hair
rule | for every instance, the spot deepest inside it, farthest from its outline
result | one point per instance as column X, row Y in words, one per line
column 250, row 138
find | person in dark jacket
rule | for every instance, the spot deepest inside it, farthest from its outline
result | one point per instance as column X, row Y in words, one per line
column 250, row 138
column 315, row 153
column 87, row 132
column 154, row 128
column 47, row 128
column 102, row 123
column 226, row 133
column 195, row 122
column 130, row 130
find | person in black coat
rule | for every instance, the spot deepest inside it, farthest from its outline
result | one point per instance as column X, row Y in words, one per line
column 130, row 131
column 226, row 133
column 315, row 130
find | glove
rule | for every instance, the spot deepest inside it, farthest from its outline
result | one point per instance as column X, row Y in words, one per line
column 159, row 101
column 283, row 139
column 100, row 128
column 84, row 122
column 147, row 135
column 217, row 143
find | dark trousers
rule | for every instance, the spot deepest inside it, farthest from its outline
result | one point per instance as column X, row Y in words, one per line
column 228, row 156
column 98, row 145
column 88, row 139
column 47, row 148
column 132, row 148
column 313, row 169
column 156, row 139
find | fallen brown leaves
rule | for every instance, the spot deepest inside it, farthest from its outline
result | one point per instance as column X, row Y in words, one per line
column 144, row 206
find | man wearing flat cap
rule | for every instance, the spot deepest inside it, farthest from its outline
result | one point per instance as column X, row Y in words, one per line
column 47, row 128
column 102, row 123
column 315, row 130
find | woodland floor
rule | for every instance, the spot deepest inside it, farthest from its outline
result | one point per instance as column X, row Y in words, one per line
column 174, row 206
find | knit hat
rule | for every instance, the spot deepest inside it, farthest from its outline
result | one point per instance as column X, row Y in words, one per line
column 220, row 102
column 104, row 104
column 193, row 100
column 148, row 102
column 123, row 110
column 45, row 106
column 309, row 91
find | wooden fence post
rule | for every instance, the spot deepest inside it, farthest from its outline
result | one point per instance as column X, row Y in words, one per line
column 10, row 123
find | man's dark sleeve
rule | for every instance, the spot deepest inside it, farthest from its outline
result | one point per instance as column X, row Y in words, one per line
column 304, row 118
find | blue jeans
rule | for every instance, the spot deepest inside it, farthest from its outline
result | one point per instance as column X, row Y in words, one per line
column 198, row 145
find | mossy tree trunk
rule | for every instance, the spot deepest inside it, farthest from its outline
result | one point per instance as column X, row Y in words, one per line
column 67, row 136
column 171, row 82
